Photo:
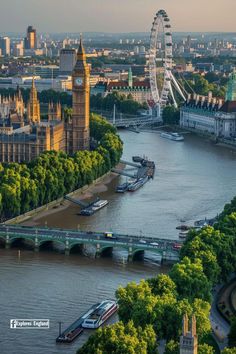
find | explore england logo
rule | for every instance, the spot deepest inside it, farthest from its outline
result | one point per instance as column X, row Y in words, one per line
column 29, row 324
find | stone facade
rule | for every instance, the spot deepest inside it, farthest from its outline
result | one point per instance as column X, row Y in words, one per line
column 188, row 340
column 24, row 137
column 139, row 90
column 33, row 107
column 78, row 129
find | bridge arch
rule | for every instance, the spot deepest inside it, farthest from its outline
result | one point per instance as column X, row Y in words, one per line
column 2, row 242
column 138, row 254
column 52, row 244
column 76, row 247
column 21, row 242
column 106, row 251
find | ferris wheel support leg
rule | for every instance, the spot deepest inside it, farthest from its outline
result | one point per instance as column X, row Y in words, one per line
column 177, row 86
column 158, row 113
column 173, row 97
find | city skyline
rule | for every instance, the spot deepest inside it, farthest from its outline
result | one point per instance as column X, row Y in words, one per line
column 98, row 16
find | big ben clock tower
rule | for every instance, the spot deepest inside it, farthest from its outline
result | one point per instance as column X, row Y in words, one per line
column 79, row 133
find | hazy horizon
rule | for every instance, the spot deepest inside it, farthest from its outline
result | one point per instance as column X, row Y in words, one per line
column 113, row 16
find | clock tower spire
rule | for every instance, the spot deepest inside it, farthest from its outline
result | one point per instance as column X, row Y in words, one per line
column 79, row 132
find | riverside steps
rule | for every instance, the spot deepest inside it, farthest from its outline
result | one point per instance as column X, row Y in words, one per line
column 167, row 249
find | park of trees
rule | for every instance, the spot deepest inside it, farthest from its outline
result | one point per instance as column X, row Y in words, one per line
column 125, row 105
column 203, row 84
column 207, row 257
column 24, row 187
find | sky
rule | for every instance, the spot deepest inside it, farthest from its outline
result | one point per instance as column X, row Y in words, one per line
column 116, row 15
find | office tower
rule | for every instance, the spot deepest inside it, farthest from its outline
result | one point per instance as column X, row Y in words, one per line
column 5, row 45
column 18, row 49
column 67, row 61
column 31, row 39
column 136, row 50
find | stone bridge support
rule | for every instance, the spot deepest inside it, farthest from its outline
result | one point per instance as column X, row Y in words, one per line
column 67, row 248
column 8, row 242
column 130, row 254
column 98, row 250
column 36, row 244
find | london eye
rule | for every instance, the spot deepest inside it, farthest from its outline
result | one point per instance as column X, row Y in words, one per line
column 162, row 80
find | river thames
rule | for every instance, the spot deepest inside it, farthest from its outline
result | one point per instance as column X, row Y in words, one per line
column 193, row 180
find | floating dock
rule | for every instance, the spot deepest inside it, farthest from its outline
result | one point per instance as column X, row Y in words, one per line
column 75, row 329
column 145, row 171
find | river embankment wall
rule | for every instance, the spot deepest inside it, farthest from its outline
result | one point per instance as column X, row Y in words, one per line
column 23, row 217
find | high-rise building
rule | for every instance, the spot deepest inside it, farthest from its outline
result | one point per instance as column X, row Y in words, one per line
column 136, row 50
column 67, row 61
column 78, row 131
column 31, row 38
column 188, row 340
column 5, row 45
column 130, row 78
column 18, row 50
column 142, row 50
column 33, row 108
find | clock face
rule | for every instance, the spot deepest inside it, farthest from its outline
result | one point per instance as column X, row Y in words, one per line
column 79, row 81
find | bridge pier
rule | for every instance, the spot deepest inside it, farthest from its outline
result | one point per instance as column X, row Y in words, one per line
column 36, row 245
column 98, row 251
column 130, row 255
column 67, row 248
column 7, row 244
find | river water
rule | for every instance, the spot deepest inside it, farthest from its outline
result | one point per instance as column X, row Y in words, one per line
column 193, row 179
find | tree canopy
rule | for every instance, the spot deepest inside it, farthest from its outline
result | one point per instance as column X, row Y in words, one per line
column 232, row 333
column 171, row 115
column 124, row 104
column 121, row 339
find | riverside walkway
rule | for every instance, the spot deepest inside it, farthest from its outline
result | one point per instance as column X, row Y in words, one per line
column 168, row 250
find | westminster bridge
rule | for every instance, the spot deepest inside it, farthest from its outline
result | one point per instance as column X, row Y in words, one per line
column 41, row 237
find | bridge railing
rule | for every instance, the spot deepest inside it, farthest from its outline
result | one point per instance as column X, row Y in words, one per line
column 69, row 233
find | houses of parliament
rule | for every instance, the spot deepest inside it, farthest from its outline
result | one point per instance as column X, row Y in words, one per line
column 24, row 135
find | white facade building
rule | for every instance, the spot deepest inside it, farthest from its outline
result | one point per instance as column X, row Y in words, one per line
column 209, row 115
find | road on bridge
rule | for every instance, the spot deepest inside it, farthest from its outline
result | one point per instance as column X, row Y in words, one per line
column 61, row 234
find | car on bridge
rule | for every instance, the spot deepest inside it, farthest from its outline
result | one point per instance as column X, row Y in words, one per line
column 155, row 244
column 176, row 246
column 110, row 235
